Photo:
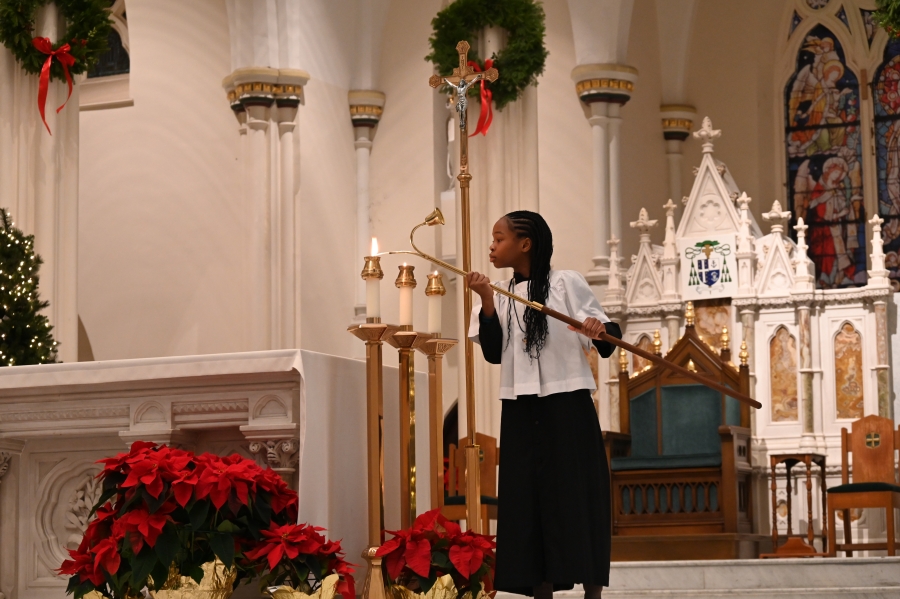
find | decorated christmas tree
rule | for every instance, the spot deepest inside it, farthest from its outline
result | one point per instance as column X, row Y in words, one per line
column 24, row 332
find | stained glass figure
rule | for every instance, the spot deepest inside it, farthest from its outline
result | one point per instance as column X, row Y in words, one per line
column 869, row 23
column 114, row 61
column 842, row 15
column 795, row 20
column 824, row 156
column 887, row 152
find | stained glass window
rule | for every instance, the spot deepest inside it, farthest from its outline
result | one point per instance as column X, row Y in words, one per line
column 115, row 60
column 887, row 152
column 824, row 155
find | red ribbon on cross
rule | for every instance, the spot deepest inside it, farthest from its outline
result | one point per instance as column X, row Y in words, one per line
column 487, row 110
column 43, row 44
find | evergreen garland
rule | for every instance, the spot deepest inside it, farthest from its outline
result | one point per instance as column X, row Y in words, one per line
column 87, row 32
column 24, row 332
column 519, row 63
column 887, row 15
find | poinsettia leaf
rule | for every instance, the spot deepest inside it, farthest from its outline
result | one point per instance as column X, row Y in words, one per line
column 425, row 584
column 142, row 565
column 160, row 574
column 263, row 507
column 440, row 560
column 418, row 556
column 153, row 503
column 223, row 545
column 198, row 513
column 227, row 526
column 196, row 572
column 104, row 497
column 167, row 544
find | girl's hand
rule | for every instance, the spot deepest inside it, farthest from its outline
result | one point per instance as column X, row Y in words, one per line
column 480, row 284
column 591, row 327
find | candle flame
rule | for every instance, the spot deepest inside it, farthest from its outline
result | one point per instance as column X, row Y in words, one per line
column 435, row 272
column 404, row 264
column 374, row 247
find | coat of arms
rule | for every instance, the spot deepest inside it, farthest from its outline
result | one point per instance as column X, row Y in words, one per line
column 709, row 265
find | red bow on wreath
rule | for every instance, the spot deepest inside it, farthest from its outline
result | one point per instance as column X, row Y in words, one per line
column 44, row 45
column 487, row 110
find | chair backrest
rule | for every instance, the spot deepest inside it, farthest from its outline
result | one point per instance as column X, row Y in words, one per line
column 872, row 441
column 489, row 454
column 679, row 420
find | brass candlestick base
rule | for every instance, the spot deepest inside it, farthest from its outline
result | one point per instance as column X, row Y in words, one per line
column 373, row 334
column 405, row 340
column 374, row 585
column 434, row 349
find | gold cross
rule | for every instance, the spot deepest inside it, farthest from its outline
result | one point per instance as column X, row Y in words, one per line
column 873, row 440
column 462, row 79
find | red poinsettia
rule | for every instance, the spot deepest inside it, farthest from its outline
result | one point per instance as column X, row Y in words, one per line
column 219, row 477
column 432, row 547
column 143, row 527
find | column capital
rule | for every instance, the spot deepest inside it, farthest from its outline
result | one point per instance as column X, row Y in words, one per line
column 677, row 121
column 611, row 83
column 263, row 86
column 366, row 107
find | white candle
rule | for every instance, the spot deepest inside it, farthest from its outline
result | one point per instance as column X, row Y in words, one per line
column 373, row 298
column 434, row 314
column 406, row 282
column 435, row 292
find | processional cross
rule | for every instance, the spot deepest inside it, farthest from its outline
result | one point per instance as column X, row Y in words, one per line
column 460, row 81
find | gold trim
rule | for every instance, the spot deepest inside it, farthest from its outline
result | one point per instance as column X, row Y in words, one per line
column 744, row 355
column 590, row 84
column 366, row 110
column 406, row 277
column 689, row 315
column 685, row 124
column 435, row 284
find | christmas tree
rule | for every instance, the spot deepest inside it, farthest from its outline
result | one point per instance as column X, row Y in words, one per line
column 24, row 332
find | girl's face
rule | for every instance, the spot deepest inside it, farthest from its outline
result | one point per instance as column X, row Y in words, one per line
column 508, row 250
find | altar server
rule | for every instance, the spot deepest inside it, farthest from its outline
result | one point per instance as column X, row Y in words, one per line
column 553, row 527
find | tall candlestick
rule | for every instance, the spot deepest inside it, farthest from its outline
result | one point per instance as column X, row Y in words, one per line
column 373, row 274
column 406, row 282
column 435, row 291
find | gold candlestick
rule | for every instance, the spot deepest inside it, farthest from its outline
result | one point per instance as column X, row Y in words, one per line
column 403, row 340
column 435, row 348
column 372, row 272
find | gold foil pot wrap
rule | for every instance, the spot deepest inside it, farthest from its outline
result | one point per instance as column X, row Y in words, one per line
column 326, row 590
column 435, row 284
column 406, row 278
column 216, row 583
column 372, row 268
column 443, row 589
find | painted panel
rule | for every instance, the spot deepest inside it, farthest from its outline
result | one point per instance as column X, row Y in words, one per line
column 783, row 375
column 824, row 154
column 638, row 363
column 711, row 317
column 848, row 372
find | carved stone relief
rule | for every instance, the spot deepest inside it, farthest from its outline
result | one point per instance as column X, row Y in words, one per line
column 80, row 504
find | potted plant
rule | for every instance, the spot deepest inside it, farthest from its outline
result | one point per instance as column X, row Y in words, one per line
column 169, row 519
column 435, row 556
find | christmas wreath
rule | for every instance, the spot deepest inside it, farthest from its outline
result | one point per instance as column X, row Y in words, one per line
column 77, row 49
column 86, row 34
column 519, row 63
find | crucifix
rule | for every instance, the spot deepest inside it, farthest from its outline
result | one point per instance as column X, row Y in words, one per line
column 460, row 81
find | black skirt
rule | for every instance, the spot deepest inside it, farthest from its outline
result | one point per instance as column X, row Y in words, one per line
column 554, row 494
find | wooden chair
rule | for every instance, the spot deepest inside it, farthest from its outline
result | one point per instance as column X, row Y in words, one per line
column 680, row 466
column 454, row 507
column 872, row 441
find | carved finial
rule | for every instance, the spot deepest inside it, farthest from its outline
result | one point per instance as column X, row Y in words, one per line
column 614, row 285
column 777, row 217
column 691, row 366
column 879, row 274
column 657, row 343
column 744, row 200
column 724, row 340
column 623, row 361
column 684, row 200
column 744, row 355
column 707, row 134
column 689, row 314
column 669, row 207
column 643, row 224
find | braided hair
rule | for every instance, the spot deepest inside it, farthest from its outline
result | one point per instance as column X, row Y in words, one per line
column 533, row 226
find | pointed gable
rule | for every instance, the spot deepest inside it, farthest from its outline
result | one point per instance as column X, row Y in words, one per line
column 776, row 274
column 644, row 283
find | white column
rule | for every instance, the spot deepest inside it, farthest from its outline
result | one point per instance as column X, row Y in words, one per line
column 287, row 114
column 615, row 185
column 260, row 240
column 363, row 234
column 677, row 122
column 599, row 122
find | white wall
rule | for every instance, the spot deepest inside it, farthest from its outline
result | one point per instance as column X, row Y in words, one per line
column 161, row 227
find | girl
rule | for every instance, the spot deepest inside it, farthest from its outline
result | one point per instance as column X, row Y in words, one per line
column 554, row 516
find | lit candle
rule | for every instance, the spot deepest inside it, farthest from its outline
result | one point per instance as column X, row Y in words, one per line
column 373, row 274
column 406, row 282
column 435, row 292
